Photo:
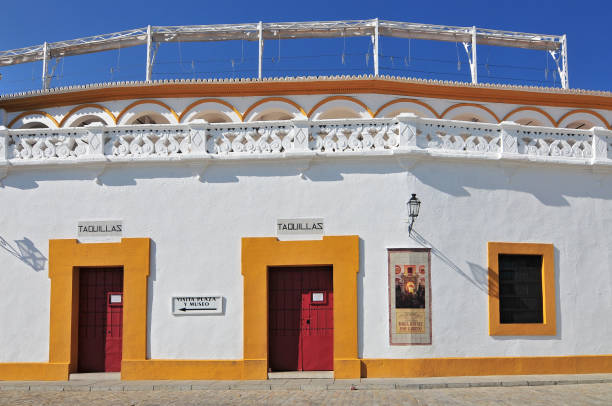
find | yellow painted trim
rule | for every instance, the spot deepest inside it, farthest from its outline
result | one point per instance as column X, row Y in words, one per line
column 139, row 102
column 342, row 253
column 32, row 113
column 198, row 102
column 65, row 258
column 549, row 325
column 33, row 371
column 159, row 369
column 84, row 106
column 427, row 367
column 271, row 99
column 332, row 98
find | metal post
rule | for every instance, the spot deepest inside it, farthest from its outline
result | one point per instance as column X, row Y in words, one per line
column 261, row 45
column 149, row 43
column 474, row 64
column 45, row 61
column 565, row 76
column 375, row 40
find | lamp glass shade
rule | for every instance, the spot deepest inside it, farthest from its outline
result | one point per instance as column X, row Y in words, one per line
column 414, row 205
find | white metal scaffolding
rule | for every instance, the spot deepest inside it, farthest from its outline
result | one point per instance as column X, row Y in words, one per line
column 152, row 36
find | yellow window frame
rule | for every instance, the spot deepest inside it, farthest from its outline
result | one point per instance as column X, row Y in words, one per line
column 549, row 325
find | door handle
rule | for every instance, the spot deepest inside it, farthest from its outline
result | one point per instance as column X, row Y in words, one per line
column 307, row 321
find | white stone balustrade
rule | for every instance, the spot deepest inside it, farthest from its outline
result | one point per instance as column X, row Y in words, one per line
column 403, row 135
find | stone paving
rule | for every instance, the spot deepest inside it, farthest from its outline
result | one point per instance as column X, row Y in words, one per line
column 515, row 390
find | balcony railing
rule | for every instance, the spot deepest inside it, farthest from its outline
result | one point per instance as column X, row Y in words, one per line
column 405, row 135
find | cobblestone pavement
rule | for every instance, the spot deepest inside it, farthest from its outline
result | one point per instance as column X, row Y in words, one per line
column 557, row 395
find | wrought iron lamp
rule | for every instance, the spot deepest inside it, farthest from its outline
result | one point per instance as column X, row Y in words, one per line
column 414, row 205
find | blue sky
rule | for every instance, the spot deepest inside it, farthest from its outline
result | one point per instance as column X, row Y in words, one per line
column 586, row 23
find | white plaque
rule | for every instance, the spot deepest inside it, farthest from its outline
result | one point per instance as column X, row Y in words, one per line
column 197, row 305
column 108, row 228
column 318, row 297
column 115, row 298
column 300, row 226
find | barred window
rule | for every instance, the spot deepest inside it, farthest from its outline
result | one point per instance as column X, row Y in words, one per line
column 520, row 288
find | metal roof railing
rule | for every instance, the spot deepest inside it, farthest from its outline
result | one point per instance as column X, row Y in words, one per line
column 556, row 45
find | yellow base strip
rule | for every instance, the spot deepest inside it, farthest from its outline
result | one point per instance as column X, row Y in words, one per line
column 428, row 367
column 161, row 369
column 369, row 368
column 33, row 371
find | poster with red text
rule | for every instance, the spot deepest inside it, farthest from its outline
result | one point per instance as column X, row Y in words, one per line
column 409, row 296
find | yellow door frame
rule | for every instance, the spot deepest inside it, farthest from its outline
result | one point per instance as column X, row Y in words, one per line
column 342, row 253
column 65, row 258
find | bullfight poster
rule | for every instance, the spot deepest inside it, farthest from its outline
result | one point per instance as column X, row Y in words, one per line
column 409, row 296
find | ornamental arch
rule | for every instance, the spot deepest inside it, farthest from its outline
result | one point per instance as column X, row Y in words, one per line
column 338, row 107
column 532, row 116
column 470, row 112
column 147, row 112
column 87, row 114
column 582, row 119
column 33, row 119
column 211, row 110
column 274, row 108
column 396, row 107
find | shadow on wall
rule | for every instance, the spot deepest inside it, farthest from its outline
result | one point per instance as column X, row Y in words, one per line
column 550, row 185
column 479, row 275
column 151, row 281
column 360, row 303
column 26, row 252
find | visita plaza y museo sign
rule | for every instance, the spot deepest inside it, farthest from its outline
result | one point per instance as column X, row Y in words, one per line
column 196, row 305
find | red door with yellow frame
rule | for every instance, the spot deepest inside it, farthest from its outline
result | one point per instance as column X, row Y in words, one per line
column 300, row 322
column 100, row 319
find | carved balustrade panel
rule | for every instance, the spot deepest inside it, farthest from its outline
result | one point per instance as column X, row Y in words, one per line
column 42, row 144
column 541, row 141
column 150, row 140
column 455, row 136
column 354, row 136
column 258, row 138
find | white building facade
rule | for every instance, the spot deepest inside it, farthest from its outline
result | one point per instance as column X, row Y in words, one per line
column 198, row 176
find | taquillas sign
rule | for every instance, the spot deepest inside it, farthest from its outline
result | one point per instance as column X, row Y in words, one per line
column 300, row 226
column 100, row 228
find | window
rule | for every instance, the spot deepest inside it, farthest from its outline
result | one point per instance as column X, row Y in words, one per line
column 521, row 289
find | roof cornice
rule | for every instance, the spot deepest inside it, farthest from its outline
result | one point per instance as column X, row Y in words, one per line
column 522, row 95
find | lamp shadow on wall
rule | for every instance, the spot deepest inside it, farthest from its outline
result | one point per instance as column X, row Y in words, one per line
column 26, row 252
column 480, row 275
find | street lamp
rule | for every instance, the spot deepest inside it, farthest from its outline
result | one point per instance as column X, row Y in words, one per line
column 414, row 205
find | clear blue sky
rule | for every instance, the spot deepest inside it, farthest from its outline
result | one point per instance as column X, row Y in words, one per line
column 586, row 23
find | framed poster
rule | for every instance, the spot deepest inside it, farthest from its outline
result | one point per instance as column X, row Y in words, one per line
column 409, row 296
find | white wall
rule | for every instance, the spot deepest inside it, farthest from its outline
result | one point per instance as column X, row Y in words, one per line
column 196, row 229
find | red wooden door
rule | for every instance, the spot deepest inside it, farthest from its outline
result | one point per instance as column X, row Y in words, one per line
column 114, row 331
column 95, row 336
column 317, row 332
column 300, row 319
